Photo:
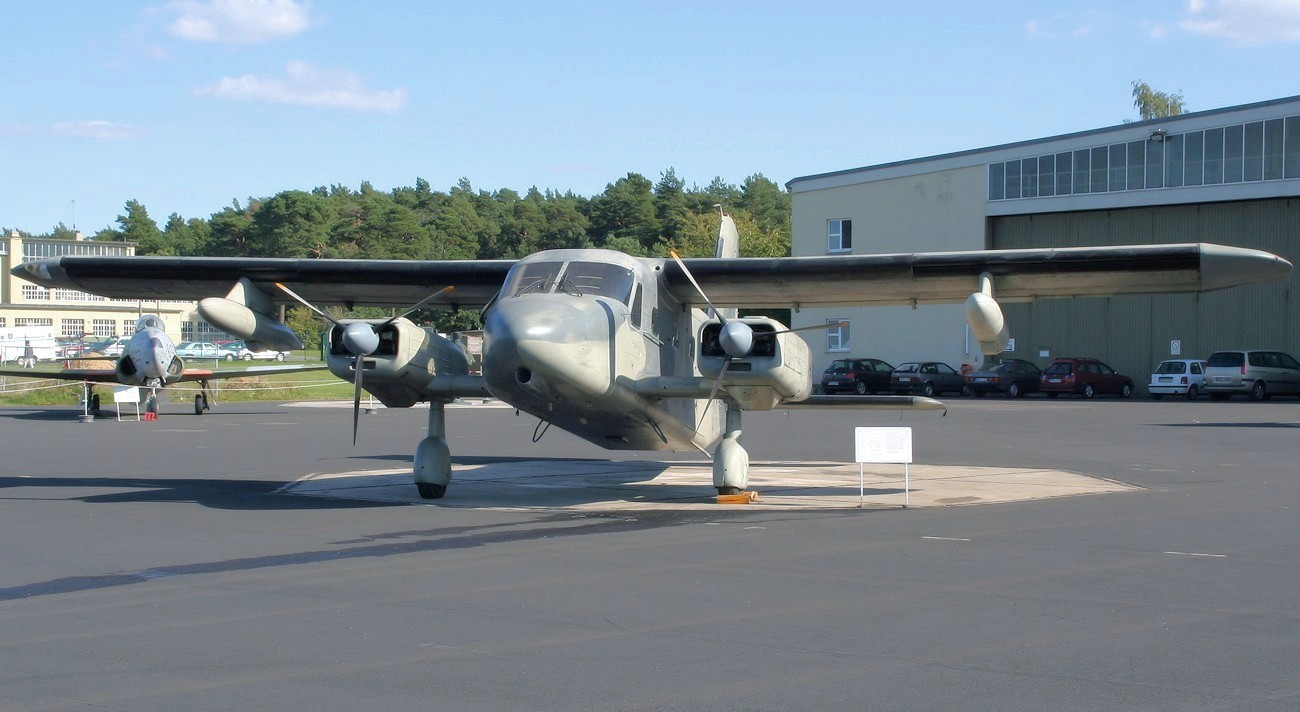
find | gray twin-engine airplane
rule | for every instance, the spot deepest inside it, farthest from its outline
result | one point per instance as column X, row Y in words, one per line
column 628, row 352
column 149, row 359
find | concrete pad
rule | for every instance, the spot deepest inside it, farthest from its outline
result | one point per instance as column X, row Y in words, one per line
column 603, row 485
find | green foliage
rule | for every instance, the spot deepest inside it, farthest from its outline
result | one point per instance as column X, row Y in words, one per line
column 633, row 215
column 1152, row 104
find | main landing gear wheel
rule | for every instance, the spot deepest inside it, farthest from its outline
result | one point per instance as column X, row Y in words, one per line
column 428, row 490
column 94, row 404
column 198, row 404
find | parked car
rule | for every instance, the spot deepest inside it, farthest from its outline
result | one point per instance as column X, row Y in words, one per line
column 1177, row 377
column 197, row 349
column 856, row 375
column 929, row 378
column 110, row 347
column 1012, row 376
column 1259, row 374
column 239, row 350
column 1087, row 377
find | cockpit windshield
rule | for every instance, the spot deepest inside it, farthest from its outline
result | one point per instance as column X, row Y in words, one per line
column 148, row 322
column 575, row 278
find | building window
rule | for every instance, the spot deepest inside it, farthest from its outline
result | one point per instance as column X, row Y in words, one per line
column 187, row 331
column 1273, row 149
column 32, row 321
column 128, row 327
column 837, row 337
column 33, row 293
column 2, row 322
column 839, row 235
column 73, row 328
column 102, row 328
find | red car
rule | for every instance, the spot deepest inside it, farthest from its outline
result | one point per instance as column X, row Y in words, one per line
column 1087, row 377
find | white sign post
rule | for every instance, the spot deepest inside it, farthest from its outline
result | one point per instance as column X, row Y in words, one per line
column 883, row 445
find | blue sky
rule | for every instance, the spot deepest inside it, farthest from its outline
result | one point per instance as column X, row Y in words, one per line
column 188, row 105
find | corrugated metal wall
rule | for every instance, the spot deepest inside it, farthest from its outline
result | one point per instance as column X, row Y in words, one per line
column 1133, row 333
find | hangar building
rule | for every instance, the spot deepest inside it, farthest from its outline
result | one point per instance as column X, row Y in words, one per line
column 1229, row 176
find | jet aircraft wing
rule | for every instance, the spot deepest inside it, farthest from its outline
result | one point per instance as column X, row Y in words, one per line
column 108, row 375
column 773, row 282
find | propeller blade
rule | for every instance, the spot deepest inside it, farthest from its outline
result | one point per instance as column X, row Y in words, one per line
column 307, row 304
column 417, row 305
column 357, row 369
column 814, row 327
column 695, row 284
column 717, row 384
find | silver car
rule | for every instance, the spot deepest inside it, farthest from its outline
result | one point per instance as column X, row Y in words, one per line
column 1258, row 374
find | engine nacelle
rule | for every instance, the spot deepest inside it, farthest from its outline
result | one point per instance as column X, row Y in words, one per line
column 987, row 324
column 776, row 370
column 401, row 371
column 256, row 328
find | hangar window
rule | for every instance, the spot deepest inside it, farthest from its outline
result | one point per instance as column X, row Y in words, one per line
column 1194, row 158
column 1046, row 176
column 1064, row 173
column 1293, row 147
column 1081, row 168
column 837, row 337
column 1233, row 151
column 1013, row 179
column 1099, row 169
column 1254, row 163
column 1118, row 167
column 1213, row 156
column 997, row 176
column 103, row 328
column 1136, row 164
column 128, row 327
column 1174, row 161
column 73, row 328
column 1272, row 149
column 839, row 235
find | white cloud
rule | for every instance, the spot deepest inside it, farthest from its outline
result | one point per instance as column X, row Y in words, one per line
column 238, row 21
column 99, row 130
column 1247, row 22
column 304, row 84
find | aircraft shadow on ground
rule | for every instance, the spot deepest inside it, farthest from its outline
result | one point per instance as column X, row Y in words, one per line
column 250, row 495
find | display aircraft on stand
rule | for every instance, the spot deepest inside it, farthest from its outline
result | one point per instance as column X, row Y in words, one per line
column 629, row 352
column 149, row 359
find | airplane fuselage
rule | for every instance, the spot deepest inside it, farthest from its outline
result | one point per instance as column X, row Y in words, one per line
column 570, row 334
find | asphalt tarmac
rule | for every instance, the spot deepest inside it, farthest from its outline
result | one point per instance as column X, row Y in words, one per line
column 173, row 565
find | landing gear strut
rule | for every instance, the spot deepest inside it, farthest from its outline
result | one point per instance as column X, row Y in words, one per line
column 201, row 399
column 730, row 460
column 432, row 467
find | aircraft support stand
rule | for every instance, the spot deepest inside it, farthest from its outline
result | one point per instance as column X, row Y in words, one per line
column 730, row 460
column 432, row 467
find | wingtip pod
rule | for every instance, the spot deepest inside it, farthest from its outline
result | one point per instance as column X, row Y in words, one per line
column 1223, row 267
column 46, row 272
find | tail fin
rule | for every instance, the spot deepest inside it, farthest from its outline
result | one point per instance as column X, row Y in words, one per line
column 728, row 239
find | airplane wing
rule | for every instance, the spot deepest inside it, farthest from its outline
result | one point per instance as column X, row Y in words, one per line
column 773, row 282
column 103, row 375
column 396, row 283
column 951, row 277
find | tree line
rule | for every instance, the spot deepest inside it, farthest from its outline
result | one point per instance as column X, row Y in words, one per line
column 633, row 215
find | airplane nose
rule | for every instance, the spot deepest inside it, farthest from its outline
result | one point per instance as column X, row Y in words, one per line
column 548, row 346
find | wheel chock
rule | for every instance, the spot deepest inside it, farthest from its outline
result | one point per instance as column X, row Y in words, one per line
column 149, row 416
column 746, row 497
